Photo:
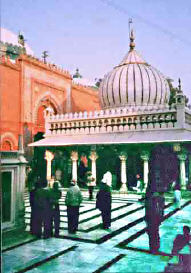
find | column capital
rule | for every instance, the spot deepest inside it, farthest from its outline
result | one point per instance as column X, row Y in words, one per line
column 74, row 156
column 182, row 157
column 93, row 156
column 145, row 155
column 123, row 156
column 49, row 156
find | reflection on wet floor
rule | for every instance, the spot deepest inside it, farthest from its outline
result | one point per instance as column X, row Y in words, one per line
column 122, row 249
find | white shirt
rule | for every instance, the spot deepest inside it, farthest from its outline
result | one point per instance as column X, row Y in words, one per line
column 107, row 178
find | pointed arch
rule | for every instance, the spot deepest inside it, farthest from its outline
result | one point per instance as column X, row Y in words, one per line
column 42, row 100
column 8, row 142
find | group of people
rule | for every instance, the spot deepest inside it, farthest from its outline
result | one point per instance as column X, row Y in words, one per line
column 103, row 201
column 45, row 212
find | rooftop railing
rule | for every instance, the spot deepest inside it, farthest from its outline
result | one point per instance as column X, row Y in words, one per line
column 110, row 120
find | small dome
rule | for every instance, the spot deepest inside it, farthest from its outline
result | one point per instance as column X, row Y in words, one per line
column 134, row 83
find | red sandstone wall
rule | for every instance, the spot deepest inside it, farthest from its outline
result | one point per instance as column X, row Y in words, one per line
column 84, row 98
column 28, row 86
column 10, row 104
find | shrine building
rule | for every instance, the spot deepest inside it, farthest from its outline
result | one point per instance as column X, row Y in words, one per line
column 135, row 131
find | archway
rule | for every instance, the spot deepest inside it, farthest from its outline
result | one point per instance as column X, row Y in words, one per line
column 40, row 121
column 6, row 146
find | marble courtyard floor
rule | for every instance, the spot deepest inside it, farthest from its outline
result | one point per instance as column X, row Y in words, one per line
column 124, row 248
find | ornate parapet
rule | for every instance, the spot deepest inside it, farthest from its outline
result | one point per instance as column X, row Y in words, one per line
column 110, row 120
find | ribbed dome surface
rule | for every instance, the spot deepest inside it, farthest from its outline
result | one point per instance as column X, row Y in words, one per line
column 134, row 83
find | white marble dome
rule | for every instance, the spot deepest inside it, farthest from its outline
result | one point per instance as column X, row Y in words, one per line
column 134, row 83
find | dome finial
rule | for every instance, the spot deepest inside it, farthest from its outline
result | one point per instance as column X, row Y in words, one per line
column 179, row 85
column 131, row 36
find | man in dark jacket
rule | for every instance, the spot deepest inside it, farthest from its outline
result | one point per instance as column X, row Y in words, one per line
column 42, row 200
column 154, row 210
column 55, row 195
column 34, row 208
column 73, row 200
column 103, row 203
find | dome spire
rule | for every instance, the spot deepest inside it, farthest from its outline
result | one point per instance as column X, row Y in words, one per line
column 179, row 86
column 131, row 36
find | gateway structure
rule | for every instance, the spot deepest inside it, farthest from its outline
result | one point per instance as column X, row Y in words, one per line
column 136, row 129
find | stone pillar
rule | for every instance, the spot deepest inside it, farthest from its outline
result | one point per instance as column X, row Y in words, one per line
column 49, row 157
column 74, row 158
column 93, row 156
column 123, row 158
column 21, row 176
column 145, row 158
column 182, row 158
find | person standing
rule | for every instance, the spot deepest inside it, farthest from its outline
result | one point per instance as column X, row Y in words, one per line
column 140, row 184
column 103, row 203
column 55, row 195
column 91, row 184
column 43, row 217
column 107, row 178
column 82, row 170
column 177, row 195
column 73, row 200
column 34, row 208
column 154, row 211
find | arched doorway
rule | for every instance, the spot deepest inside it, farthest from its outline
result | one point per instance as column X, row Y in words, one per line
column 6, row 145
column 40, row 121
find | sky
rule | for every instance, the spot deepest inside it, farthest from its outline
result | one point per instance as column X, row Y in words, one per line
column 93, row 35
